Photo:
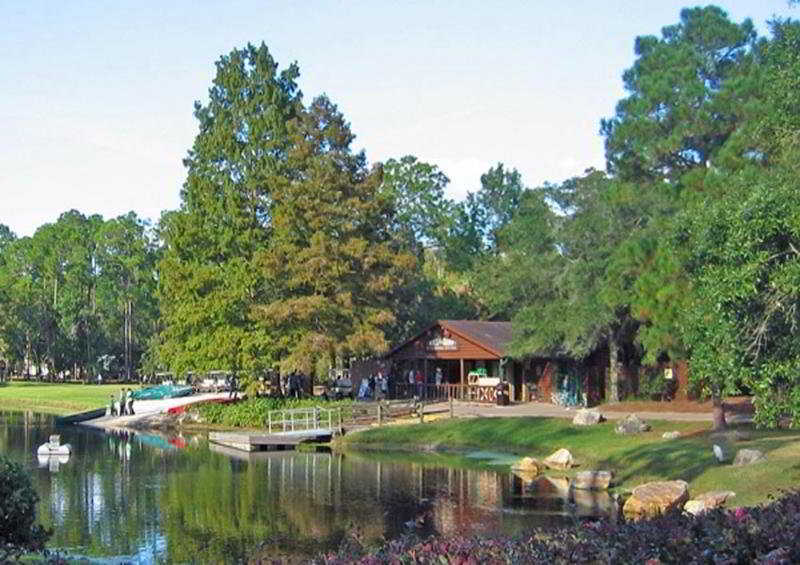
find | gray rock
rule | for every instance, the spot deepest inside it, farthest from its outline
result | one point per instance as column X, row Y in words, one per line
column 671, row 435
column 587, row 417
column 592, row 480
column 560, row 460
column 748, row 457
column 632, row 425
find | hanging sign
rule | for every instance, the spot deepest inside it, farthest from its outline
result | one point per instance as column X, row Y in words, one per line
column 442, row 344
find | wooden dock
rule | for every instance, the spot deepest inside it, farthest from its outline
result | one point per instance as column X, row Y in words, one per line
column 245, row 441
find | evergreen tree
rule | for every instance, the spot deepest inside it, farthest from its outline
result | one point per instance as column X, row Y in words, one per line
column 209, row 281
column 332, row 251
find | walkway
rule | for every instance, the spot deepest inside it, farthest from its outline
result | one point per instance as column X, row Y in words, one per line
column 545, row 410
column 147, row 408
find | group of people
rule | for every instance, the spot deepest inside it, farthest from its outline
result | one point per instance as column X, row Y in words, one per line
column 123, row 406
column 416, row 380
column 374, row 386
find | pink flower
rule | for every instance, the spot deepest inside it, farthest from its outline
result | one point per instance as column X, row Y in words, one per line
column 740, row 514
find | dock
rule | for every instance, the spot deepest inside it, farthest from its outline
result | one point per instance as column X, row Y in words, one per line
column 245, row 441
column 81, row 417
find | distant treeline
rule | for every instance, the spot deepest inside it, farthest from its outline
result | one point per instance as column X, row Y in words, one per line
column 290, row 249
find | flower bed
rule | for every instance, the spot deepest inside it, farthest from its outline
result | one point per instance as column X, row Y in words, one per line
column 762, row 534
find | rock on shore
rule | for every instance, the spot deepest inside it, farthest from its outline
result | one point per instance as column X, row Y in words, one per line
column 652, row 499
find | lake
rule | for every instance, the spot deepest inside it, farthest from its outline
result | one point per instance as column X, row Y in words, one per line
column 125, row 497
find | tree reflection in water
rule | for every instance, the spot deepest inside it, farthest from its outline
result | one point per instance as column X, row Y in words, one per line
column 143, row 498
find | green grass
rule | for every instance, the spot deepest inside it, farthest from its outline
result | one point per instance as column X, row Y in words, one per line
column 635, row 459
column 57, row 399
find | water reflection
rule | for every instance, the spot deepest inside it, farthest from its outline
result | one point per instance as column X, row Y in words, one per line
column 174, row 499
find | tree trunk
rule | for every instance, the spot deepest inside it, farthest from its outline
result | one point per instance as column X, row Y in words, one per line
column 718, row 411
column 613, row 370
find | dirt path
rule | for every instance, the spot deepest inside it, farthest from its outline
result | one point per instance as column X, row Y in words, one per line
column 545, row 410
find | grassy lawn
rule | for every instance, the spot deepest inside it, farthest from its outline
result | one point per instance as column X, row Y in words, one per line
column 56, row 398
column 634, row 459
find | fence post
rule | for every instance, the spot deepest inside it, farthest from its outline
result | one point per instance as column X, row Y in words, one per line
column 269, row 422
column 380, row 414
column 421, row 410
column 341, row 426
column 451, row 406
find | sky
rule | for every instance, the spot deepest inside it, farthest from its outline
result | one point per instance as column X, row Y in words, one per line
column 96, row 97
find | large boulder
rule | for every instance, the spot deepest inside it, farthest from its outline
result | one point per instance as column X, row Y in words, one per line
column 592, row 480
column 587, row 417
column 652, row 499
column 527, row 467
column 632, row 425
column 708, row 501
column 559, row 460
column 748, row 456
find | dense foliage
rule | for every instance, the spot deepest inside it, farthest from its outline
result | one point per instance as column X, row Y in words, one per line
column 19, row 532
column 764, row 534
column 290, row 249
column 252, row 413
column 78, row 296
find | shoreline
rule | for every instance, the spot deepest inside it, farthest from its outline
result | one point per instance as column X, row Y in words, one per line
column 146, row 411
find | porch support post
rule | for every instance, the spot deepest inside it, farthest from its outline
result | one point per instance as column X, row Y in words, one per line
column 461, row 368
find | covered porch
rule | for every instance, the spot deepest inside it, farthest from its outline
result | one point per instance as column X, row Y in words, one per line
column 459, row 359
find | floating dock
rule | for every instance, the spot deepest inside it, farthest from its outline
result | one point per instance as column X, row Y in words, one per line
column 244, row 441
column 81, row 417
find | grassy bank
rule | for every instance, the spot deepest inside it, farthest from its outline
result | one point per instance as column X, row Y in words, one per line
column 57, row 399
column 634, row 459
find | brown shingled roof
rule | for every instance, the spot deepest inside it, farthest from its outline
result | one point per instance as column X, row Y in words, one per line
column 494, row 336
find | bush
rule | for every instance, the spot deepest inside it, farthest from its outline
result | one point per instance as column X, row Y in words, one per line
column 252, row 413
column 18, row 499
column 764, row 534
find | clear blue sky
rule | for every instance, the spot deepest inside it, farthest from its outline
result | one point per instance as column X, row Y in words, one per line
column 96, row 109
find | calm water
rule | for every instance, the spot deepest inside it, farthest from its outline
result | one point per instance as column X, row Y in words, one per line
column 150, row 498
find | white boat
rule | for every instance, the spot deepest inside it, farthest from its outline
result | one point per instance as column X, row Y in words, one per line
column 54, row 447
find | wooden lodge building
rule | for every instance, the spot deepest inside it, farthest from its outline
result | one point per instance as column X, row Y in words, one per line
column 471, row 357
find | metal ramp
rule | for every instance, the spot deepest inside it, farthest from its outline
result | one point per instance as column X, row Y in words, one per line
column 285, row 429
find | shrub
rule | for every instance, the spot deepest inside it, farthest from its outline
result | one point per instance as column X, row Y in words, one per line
column 764, row 534
column 252, row 413
column 18, row 499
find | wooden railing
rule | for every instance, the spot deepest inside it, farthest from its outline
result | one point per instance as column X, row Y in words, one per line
column 334, row 419
column 431, row 392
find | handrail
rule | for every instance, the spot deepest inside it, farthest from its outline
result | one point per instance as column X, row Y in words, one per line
column 316, row 418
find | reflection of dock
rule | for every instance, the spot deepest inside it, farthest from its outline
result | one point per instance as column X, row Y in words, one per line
column 249, row 456
column 267, row 442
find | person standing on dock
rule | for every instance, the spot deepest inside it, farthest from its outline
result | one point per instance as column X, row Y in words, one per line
column 122, row 400
column 130, row 403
